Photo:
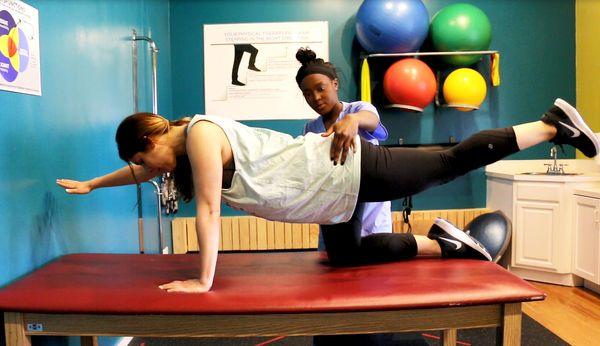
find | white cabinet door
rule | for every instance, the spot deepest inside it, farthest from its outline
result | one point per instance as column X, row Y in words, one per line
column 586, row 261
column 536, row 233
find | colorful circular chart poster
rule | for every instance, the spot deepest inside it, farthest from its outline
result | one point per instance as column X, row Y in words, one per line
column 19, row 48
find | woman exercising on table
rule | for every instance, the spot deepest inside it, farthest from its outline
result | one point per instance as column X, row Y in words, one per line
column 305, row 179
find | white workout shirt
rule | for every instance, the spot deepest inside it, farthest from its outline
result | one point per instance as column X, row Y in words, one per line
column 282, row 178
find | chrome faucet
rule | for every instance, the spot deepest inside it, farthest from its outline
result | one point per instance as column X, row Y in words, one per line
column 554, row 167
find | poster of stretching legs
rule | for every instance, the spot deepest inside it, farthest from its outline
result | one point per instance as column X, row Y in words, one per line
column 250, row 69
column 19, row 48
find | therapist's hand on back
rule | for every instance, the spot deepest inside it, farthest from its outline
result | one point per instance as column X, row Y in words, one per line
column 344, row 132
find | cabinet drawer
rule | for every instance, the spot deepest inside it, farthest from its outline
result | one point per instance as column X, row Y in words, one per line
column 539, row 192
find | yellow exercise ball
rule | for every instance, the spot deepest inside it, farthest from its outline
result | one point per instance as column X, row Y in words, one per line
column 464, row 89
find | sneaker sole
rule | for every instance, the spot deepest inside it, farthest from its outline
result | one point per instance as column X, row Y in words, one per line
column 578, row 121
column 460, row 235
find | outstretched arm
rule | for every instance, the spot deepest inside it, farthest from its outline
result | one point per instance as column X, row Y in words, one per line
column 122, row 176
column 204, row 148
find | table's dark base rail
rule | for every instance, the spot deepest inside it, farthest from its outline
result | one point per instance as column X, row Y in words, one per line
column 21, row 326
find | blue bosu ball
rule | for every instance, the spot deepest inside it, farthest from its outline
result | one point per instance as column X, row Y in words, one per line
column 493, row 231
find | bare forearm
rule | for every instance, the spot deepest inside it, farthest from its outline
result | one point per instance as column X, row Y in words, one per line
column 367, row 120
column 120, row 177
column 208, row 227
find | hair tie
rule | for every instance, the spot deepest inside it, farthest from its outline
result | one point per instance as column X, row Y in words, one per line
column 308, row 69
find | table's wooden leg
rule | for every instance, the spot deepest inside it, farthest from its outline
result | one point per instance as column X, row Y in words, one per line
column 89, row 341
column 509, row 333
column 15, row 330
column 449, row 337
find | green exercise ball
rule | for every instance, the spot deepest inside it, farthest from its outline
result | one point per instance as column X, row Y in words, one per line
column 460, row 27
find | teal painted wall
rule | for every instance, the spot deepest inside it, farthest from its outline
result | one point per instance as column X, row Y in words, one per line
column 86, row 71
column 536, row 40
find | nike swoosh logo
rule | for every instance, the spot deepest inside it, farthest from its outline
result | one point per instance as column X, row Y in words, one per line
column 575, row 131
column 457, row 243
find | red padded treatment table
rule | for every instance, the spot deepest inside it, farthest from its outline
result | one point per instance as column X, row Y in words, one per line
column 262, row 294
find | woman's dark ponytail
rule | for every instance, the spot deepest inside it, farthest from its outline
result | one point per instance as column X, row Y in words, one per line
column 306, row 55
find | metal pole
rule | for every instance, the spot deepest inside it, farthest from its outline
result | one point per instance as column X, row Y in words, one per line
column 140, row 219
column 154, row 50
column 161, row 241
column 135, row 108
column 135, row 72
column 154, row 79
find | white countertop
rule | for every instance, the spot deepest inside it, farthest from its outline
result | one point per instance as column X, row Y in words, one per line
column 514, row 169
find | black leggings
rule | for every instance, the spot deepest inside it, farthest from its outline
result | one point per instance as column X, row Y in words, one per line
column 393, row 173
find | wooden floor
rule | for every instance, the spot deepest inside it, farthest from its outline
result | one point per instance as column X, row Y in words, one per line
column 572, row 313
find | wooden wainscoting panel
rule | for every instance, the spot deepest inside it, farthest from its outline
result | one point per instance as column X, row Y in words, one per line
column 253, row 233
column 250, row 233
column 305, row 235
column 279, row 235
column 227, row 243
column 244, row 227
column 270, row 235
column 179, row 234
column 192, row 236
column 287, row 236
column 235, row 233
column 296, row 236
column 421, row 220
column 262, row 234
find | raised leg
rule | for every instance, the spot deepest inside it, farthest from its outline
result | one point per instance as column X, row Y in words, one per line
column 392, row 173
column 15, row 330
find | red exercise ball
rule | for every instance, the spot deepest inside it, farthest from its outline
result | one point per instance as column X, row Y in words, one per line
column 409, row 84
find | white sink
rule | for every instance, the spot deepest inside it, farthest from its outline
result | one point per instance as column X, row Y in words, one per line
column 535, row 170
column 546, row 173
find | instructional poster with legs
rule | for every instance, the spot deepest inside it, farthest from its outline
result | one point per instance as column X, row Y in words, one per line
column 19, row 48
column 250, row 69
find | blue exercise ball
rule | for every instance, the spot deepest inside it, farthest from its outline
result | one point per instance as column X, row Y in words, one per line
column 392, row 26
